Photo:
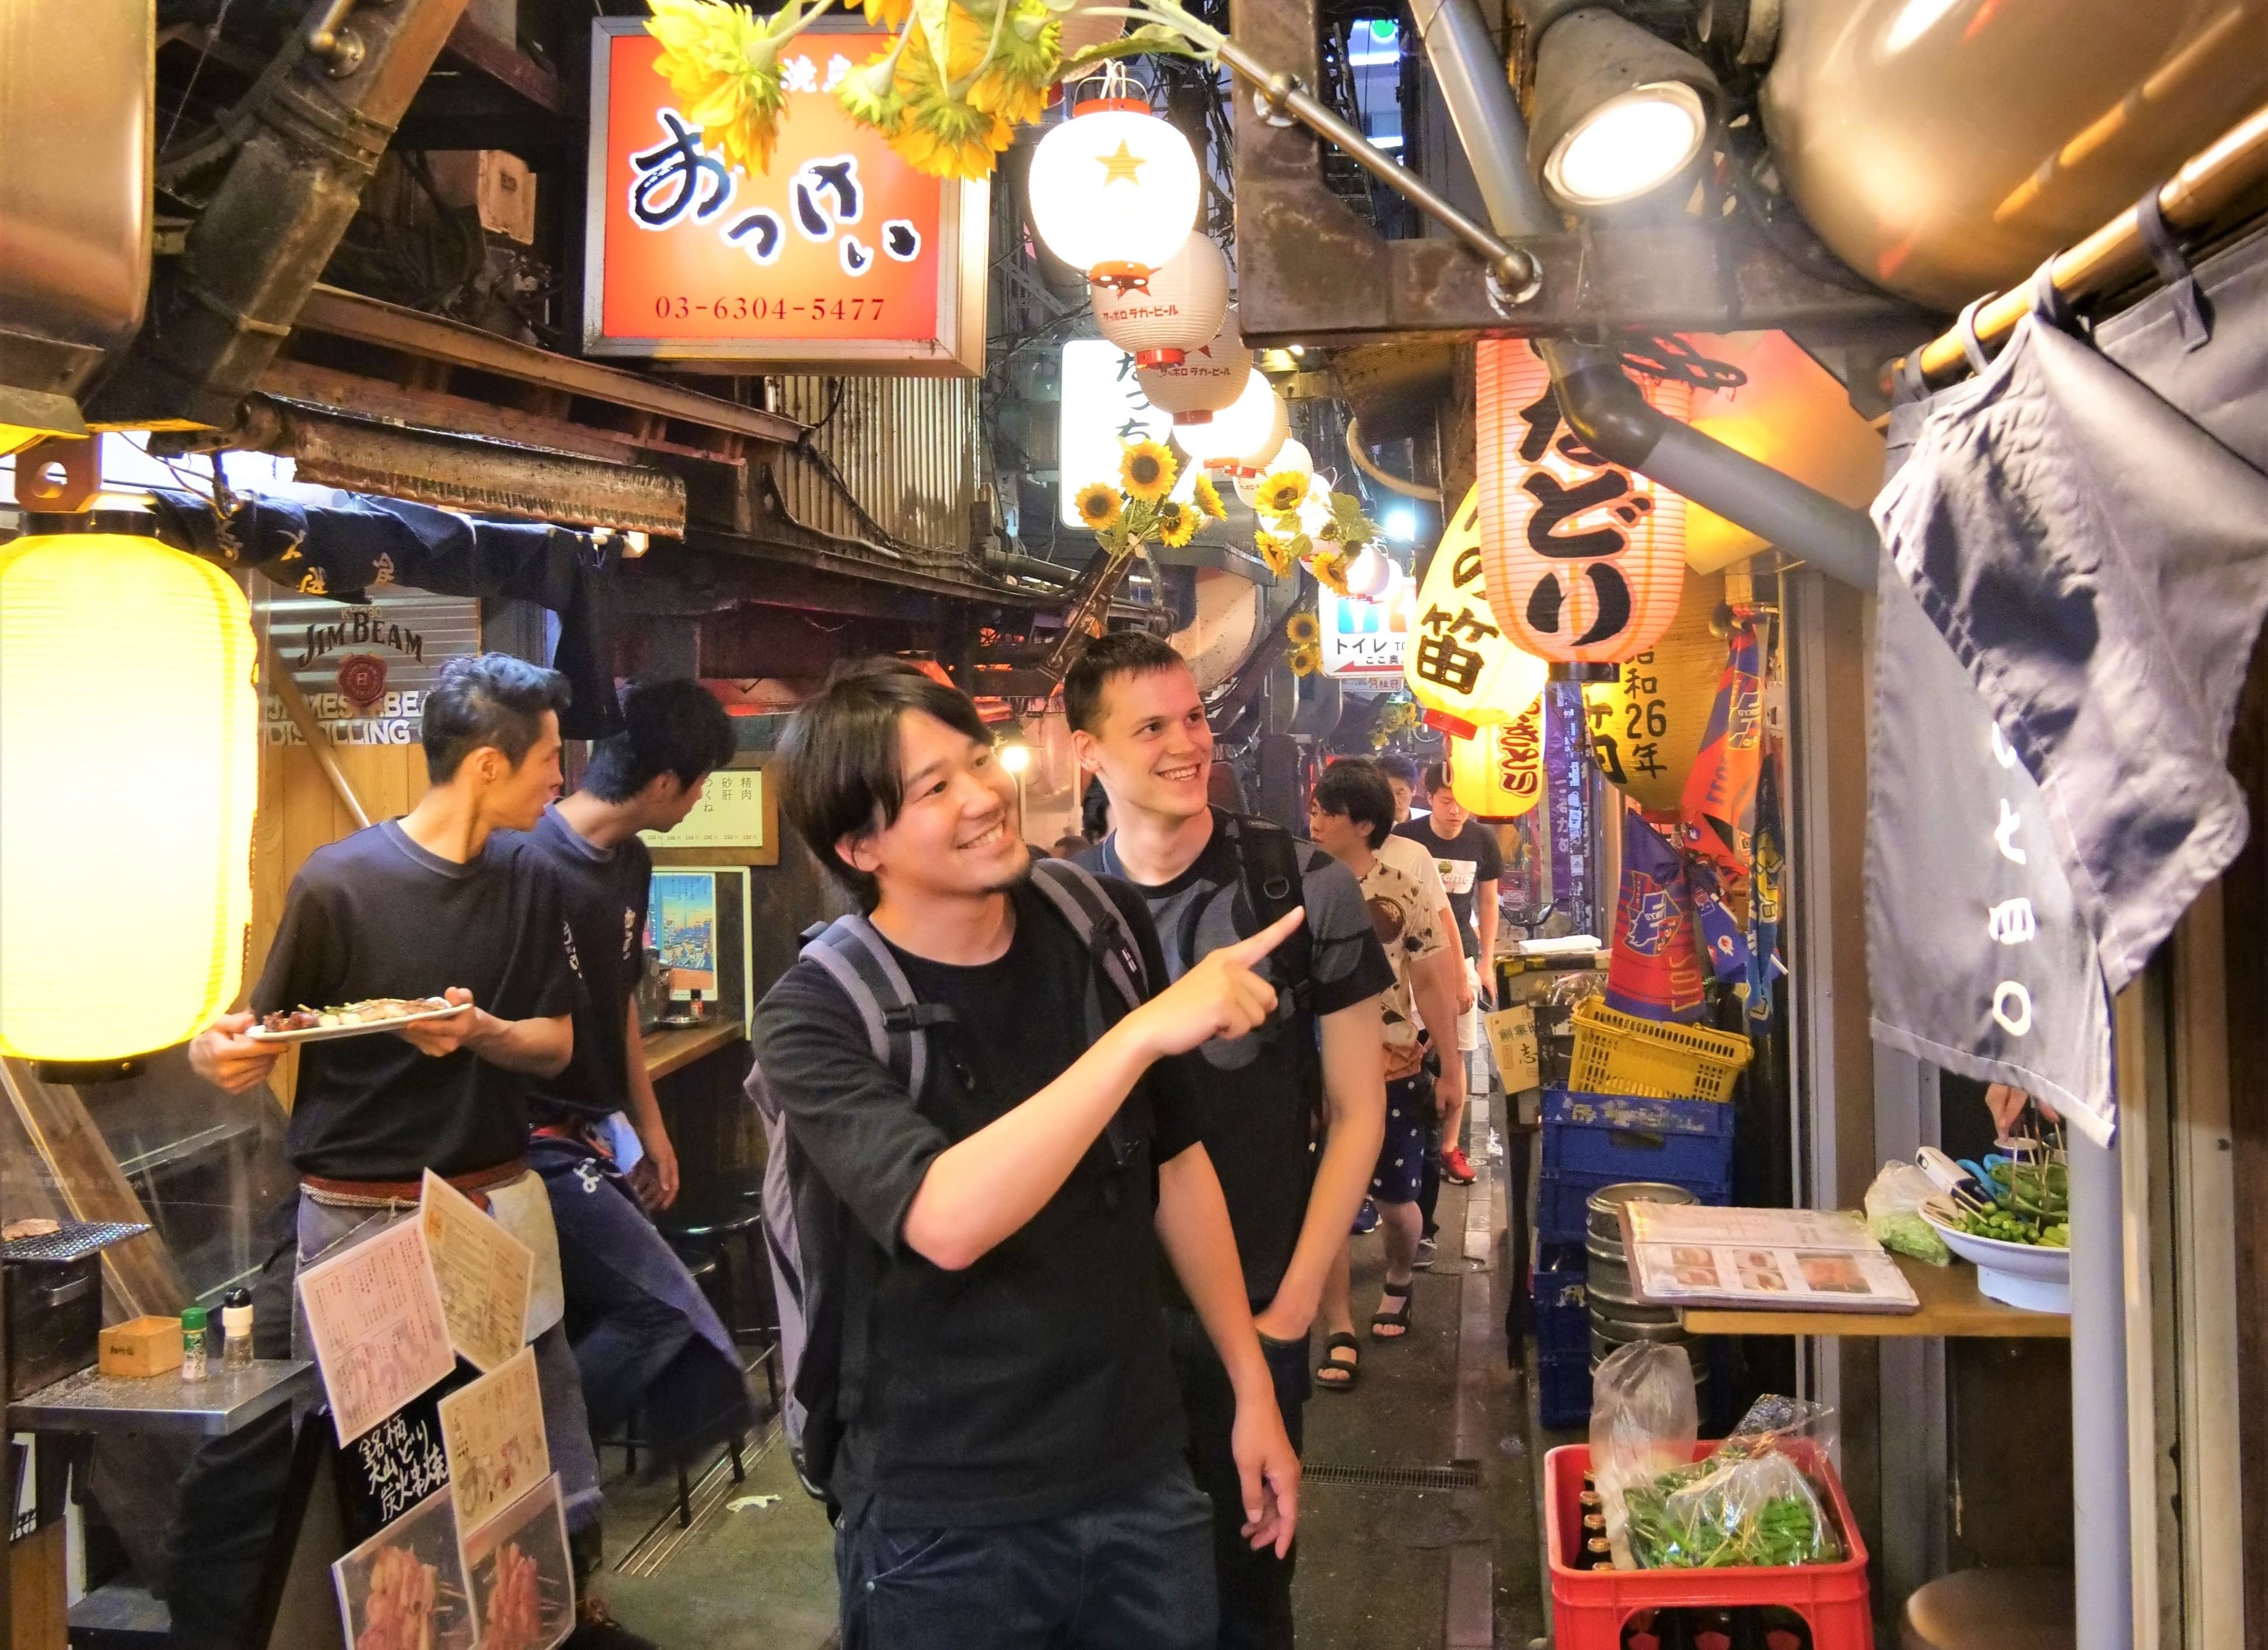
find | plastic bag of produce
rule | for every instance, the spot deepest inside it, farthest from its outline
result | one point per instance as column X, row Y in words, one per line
column 1894, row 1213
column 1749, row 1503
column 1644, row 1422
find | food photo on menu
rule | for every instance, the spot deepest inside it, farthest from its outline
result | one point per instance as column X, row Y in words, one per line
column 404, row 1588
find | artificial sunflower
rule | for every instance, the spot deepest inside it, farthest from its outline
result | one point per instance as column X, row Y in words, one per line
column 1300, row 629
column 947, row 138
column 1147, row 471
column 869, row 95
column 1274, row 551
column 888, row 14
column 1208, row 497
column 1098, row 505
column 1280, row 494
column 721, row 60
column 1330, row 568
column 1305, row 660
column 1177, row 523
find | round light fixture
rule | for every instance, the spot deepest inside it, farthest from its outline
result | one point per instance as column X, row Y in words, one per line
column 1245, row 436
column 1205, row 380
column 1181, row 308
column 1114, row 190
column 1629, row 145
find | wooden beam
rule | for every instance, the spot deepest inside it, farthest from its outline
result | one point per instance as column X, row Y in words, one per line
column 286, row 688
column 344, row 314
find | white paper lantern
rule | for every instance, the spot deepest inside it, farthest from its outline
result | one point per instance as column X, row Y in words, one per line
column 1205, row 380
column 1370, row 575
column 1292, row 455
column 1182, row 310
column 1243, row 437
column 1115, row 190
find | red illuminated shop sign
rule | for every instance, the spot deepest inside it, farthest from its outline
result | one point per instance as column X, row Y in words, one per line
column 842, row 257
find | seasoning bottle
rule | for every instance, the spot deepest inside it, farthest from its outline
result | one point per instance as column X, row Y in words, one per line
column 236, row 1330
column 193, row 1366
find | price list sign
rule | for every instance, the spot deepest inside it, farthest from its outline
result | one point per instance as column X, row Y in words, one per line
column 841, row 257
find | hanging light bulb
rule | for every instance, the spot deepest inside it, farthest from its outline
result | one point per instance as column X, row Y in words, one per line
column 1291, row 456
column 124, row 933
column 1205, row 380
column 1182, row 309
column 1114, row 190
column 1243, row 437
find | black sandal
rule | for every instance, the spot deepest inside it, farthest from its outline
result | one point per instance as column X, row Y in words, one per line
column 1348, row 1371
column 1398, row 1318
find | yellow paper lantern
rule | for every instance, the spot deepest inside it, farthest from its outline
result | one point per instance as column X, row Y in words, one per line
column 1459, row 662
column 129, row 756
column 1497, row 773
column 1648, row 723
column 1584, row 557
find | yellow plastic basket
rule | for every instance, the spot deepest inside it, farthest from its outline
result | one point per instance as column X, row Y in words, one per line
column 1622, row 1054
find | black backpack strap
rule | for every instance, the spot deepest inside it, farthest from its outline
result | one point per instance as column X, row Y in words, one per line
column 1093, row 916
column 858, row 961
column 1268, row 863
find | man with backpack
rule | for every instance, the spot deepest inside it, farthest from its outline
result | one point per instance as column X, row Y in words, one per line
column 1317, row 1066
column 989, row 1140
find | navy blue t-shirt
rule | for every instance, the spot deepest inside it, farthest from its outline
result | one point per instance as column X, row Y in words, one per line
column 604, row 891
column 375, row 915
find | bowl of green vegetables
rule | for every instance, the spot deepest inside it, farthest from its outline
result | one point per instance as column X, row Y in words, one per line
column 2021, row 1243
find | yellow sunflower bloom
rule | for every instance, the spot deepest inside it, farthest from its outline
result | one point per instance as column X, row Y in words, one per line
column 1177, row 523
column 1147, row 470
column 721, row 60
column 888, row 14
column 1330, row 569
column 1208, row 497
column 1098, row 505
column 945, row 137
column 1302, row 629
column 1280, row 494
column 1306, row 660
column 1274, row 551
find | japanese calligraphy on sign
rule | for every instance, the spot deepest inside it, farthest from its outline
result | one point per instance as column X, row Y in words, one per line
column 1104, row 408
column 729, row 815
column 1585, row 562
column 1459, row 661
column 1646, row 725
column 1499, row 775
column 842, row 255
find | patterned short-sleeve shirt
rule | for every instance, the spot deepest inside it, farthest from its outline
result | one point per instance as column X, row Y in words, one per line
column 1406, row 917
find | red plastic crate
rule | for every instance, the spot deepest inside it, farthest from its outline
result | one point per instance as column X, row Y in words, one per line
column 1588, row 1607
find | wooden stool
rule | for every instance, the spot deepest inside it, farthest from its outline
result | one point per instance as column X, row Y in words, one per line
column 1992, row 1609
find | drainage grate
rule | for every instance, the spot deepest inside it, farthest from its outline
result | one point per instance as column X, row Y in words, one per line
column 1458, row 1475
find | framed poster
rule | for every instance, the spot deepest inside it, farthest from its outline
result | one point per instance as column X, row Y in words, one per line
column 841, row 259
column 696, row 920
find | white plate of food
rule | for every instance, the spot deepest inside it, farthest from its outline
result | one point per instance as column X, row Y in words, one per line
column 2035, row 1277
column 351, row 1019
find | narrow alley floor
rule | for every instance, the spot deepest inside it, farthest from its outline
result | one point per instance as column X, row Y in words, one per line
column 1418, row 1527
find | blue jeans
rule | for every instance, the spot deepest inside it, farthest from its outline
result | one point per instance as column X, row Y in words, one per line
column 1132, row 1573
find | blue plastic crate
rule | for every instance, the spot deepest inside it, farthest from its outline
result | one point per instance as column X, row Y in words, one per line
column 1560, row 1199
column 1563, row 1389
column 1625, row 1137
column 1562, row 1331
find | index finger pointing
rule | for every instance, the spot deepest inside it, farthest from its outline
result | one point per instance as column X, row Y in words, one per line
column 1248, row 952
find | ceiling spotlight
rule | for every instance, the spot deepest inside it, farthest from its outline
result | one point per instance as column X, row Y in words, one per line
column 1619, row 113
column 1400, row 523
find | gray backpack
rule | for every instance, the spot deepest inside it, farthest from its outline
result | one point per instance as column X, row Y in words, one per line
column 824, row 1266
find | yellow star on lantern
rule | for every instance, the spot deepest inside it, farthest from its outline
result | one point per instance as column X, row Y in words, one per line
column 1123, row 166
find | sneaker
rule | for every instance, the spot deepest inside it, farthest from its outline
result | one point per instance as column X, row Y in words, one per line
column 596, row 1628
column 1455, row 1168
column 1365, row 1219
column 1426, row 1249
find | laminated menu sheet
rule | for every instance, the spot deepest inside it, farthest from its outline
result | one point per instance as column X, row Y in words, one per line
column 1761, row 1260
column 493, row 1432
column 374, row 1314
column 484, row 1272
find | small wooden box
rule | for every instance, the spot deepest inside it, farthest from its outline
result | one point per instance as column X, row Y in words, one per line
column 144, row 1346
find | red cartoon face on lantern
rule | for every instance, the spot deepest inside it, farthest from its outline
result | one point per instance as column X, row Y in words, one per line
column 1584, row 561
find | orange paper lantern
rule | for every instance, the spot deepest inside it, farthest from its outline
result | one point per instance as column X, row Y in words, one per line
column 1584, row 561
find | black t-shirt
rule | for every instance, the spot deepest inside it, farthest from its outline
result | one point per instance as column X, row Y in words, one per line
column 1036, row 1381
column 1464, row 860
column 1257, row 1104
column 377, row 916
column 604, row 891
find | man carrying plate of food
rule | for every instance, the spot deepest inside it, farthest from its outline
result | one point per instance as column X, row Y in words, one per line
column 432, row 905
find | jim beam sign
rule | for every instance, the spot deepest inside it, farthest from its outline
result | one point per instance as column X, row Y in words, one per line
column 365, row 668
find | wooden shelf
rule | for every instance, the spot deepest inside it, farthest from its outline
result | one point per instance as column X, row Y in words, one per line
column 1951, row 1305
column 675, row 1048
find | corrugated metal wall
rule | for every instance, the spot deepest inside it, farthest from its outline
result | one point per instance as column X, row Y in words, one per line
column 906, row 449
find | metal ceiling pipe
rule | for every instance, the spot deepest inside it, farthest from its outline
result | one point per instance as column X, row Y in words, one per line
column 1595, row 394
column 220, row 311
